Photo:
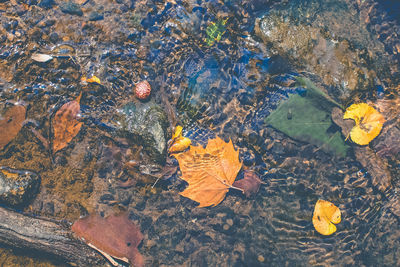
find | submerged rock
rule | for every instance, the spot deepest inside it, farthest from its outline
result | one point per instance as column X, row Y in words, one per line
column 71, row 8
column 146, row 124
column 335, row 61
column 17, row 186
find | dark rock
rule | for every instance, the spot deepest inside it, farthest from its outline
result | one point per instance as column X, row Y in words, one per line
column 17, row 186
column 54, row 38
column 46, row 4
column 71, row 8
column 94, row 16
column 106, row 198
column 146, row 124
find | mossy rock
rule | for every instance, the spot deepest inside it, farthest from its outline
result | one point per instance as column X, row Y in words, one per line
column 145, row 124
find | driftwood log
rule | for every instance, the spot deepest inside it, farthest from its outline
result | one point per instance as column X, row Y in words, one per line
column 47, row 238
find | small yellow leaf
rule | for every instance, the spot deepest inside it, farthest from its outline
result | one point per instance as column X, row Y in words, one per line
column 368, row 120
column 179, row 144
column 325, row 215
column 178, row 132
column 94, row 79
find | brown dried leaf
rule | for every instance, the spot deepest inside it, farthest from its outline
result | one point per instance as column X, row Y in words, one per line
column 11, row 124
column 250, row 184
column 345, row 125
column 209, row 171
column 65, row 124
column 115, row 235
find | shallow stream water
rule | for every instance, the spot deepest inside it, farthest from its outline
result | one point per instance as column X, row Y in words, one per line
column 218, row 68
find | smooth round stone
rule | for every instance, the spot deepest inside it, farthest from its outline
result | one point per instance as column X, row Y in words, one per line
column 17, row 186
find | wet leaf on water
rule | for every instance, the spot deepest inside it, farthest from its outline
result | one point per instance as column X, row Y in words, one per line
column 250, row 184
column 177, row 133
column 316, row 93
column 326, row 214
column 178, row 143
column 308, row 122
column 210, row 171
column 93, row 79
column 345, row 125
column 41, row 57
column 389, row 108
column 65, row 124
column 368, row 121
column 11, row 124
column 115, row 235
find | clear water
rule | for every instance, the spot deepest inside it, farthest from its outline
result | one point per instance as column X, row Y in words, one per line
column 216, row 85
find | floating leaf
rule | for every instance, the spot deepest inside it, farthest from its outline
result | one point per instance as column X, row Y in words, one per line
column 11, row 124
column 41, row 57
column 250, row 184
column 209, row 171
column 369, row 123
column 65, row 124
column 178, row 142
column 316, row 93
column 326, row 214
column 115, row 235
column 177, row 133
column 303, row 119
column 93, row 79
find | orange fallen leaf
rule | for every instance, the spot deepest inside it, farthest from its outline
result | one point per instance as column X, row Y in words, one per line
column 209, row 171
column 65, row 124
column 116, row 236
column 326, row 214
column 11, row 124
column 369, row 123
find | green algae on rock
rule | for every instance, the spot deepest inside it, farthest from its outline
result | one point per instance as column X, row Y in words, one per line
column 17, row 186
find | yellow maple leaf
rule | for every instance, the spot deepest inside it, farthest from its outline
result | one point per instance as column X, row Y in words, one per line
column 210, row 171
column 368, row 120
column 326, row 214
